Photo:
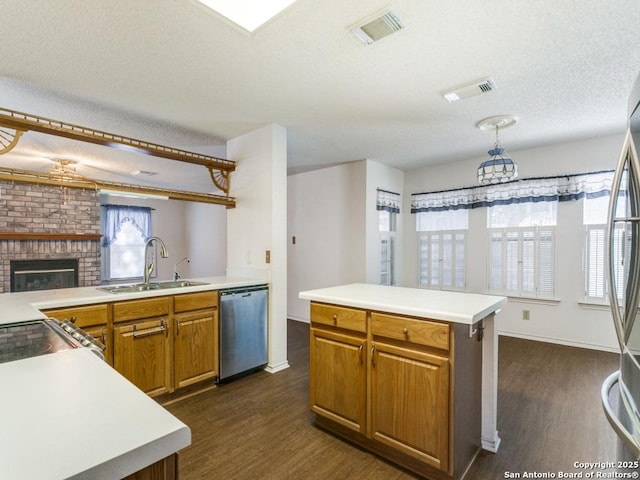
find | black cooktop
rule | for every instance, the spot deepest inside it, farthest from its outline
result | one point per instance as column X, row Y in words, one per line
column 29, row 339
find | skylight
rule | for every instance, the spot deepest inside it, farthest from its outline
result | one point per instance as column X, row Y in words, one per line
column 249, row 14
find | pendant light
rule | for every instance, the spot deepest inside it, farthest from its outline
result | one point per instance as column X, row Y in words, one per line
column 497, row 169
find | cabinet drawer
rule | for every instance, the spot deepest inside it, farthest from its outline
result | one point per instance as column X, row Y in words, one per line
column 138, row 309
column 348, row 318
column 81, row 316
column 422, row 332
column 195, row 301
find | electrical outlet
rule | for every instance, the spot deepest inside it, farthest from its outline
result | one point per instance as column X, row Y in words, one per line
column 526, row 315
column 267, row 256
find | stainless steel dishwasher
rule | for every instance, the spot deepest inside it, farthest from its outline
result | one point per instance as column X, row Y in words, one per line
column 243, row 330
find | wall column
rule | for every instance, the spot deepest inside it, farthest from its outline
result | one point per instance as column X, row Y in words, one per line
column 257, row 227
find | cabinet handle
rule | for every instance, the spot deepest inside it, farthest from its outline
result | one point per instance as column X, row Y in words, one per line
column 73, row 319
column 177, row 327
column 373, row 358
column 405, row 330
column 335, row 319
column 360, row 351
column 103, row 336
column 150, row 331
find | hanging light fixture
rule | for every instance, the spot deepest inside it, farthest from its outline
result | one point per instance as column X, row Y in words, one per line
column 497, row 169
column 63, row 170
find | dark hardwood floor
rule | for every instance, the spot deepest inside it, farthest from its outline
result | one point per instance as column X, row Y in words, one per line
column 260, row 427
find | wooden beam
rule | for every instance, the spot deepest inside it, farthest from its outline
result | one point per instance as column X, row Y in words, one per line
column 27, row 122
column 39, row 178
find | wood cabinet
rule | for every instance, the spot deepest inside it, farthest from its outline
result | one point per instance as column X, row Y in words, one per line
column 338, row 377
column 160, row 343
column 141, row 343
column 93, row 319
column 410, row 387
column 195, row 338
column 387, row 383
column 410, row 402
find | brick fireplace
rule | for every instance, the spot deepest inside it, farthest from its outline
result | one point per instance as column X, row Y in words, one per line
column 36, row 224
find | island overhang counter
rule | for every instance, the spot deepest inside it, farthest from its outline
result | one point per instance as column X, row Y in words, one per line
column 410, row 374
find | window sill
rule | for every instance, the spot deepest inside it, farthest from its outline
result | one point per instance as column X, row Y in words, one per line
column 540, row 301
column 594, row 304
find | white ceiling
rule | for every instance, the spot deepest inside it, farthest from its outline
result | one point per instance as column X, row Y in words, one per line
column 175, row 73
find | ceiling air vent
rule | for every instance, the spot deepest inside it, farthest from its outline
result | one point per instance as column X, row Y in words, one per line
column 467, row 90
column 376, row 27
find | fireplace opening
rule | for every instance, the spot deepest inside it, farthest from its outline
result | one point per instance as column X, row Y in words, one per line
column 43, row 274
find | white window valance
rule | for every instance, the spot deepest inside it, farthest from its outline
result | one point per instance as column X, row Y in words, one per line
column 388, row 201
column 115, row 215
column 542, row 189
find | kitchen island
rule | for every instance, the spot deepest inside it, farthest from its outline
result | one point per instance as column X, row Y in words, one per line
column 70, row 415
column 409, row 374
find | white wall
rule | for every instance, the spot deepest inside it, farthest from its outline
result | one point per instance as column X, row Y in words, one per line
column 390, row 179
column 258, row 224
column 566, row 321
column 206, row 240
column 326, row 215
column 332, row 214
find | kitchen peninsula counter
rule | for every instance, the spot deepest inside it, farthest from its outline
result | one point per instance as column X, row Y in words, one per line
column 23, row 306
column 419, row 368
column 69, row 414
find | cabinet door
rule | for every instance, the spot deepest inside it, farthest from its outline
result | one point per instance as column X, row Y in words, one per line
column 410, row 402
column 195, row 346
column 338, row 378
column 141, row 354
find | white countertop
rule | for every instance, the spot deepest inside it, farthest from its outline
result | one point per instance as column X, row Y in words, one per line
column 467, row 308
column 21, row 306
column 70, row 415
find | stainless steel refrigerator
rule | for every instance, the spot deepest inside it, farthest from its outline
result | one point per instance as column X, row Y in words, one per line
column 621, row 390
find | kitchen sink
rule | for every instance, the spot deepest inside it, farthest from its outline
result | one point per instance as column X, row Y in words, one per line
column 145, row 287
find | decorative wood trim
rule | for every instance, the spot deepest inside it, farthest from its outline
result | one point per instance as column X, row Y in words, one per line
column 20, row 122
column 50, row 236
column 28, row 176
column 27, row 122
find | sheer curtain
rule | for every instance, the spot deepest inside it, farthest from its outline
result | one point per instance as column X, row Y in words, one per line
column 115, row 215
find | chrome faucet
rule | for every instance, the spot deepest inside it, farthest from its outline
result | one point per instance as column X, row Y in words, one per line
column 176, row 275
column 148, row 268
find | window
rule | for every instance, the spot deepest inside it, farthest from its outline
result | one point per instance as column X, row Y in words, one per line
column 595, row 211
column 522, row 249
column 388, row 206
column 125, row 231
column 442, row 257
column 442, row 249
column 522, row 261
column 521, row 221
column 387, row 228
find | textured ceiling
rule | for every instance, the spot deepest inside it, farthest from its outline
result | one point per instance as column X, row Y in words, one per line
column 173, row 72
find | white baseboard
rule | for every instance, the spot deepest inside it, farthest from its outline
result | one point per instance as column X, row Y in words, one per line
column 277, row 368
column 560, row 341
column 298, row 319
